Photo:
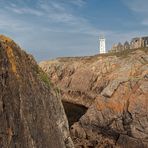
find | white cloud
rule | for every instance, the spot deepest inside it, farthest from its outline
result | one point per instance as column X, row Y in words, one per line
column 58, row 13
column 8, row 23
column 78, row 2
column 137, row 5
column 25, row 11
column 54, row 11
column 55, row 26
column 145, row 22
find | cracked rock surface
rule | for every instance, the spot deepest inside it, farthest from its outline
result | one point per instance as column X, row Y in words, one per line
column 114, row 89
column 30, row 116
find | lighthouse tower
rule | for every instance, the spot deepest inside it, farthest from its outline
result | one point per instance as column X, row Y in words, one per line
column 102, row 44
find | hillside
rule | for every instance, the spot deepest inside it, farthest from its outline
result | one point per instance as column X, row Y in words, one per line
column 30, row 116
column 105, row 97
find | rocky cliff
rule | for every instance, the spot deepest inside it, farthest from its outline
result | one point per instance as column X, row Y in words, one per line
column 30, row 116
column 105, row 97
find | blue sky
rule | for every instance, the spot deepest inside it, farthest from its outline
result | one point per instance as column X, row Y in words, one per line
column 54, row 28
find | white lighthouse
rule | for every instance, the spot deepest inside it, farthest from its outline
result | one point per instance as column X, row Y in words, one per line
column 102, row 44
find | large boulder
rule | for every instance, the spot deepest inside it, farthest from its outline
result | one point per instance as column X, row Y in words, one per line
column 30, row 116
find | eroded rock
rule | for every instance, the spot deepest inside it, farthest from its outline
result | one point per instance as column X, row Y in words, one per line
column 114, row 89
column 30, row 116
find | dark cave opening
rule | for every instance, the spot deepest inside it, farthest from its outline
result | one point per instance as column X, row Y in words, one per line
column 73, row 112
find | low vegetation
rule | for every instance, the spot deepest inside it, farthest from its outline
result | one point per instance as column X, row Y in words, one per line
column 124, row 53
column 44, row 78
column 91, row 59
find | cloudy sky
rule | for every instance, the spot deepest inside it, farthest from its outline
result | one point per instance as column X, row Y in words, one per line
column 54, row 28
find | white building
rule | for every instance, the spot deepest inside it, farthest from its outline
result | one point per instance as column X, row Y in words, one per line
column 102, row 44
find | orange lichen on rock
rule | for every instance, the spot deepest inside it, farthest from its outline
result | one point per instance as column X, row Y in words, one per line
column 118, row 105
column 10, row 134
column 112, row 105
column 5, row 39
column 138, row 101
column 12, row 60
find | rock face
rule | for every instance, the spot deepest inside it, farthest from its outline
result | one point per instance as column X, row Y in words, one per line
column 30, row 116
column 114, row 89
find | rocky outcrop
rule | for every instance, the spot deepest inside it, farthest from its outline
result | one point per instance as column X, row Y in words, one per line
column 135, row 43
column 30, row 116
column 114, row 89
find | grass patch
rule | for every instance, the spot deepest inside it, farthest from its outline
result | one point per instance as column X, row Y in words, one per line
column 91, row 59
column 124, row 53
column 57, row 91
column 44, row 78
